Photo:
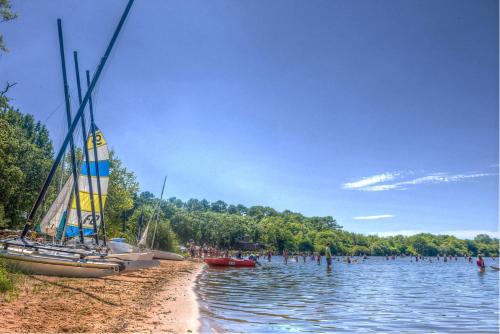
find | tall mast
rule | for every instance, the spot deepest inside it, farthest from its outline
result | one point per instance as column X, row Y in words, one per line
column 71, row 129
column 158, row 210
column 72, row 145
column 86, row 150
column 98, row 176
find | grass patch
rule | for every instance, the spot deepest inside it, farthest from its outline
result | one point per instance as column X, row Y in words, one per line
column 6, row 279
column 9, row 281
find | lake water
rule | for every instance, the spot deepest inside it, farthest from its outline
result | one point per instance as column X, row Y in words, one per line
column 374, row 295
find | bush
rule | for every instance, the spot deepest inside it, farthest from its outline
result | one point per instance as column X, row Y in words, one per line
column 165, row 239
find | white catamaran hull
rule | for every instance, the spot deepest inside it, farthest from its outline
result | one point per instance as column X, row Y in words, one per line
column 161, row 255
column 133, row 261
column 53, row 266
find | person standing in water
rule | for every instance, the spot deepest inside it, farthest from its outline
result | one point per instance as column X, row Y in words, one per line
column 269, row 256
column 328, row 255
column 480, row 263
column 285, row 256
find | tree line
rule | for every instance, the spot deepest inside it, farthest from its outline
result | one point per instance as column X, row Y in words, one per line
column 26, row 154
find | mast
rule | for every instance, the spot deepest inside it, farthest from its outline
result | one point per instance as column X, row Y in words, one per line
column 98, row 176
column 59, row 156
column 140, row 224
column 158, row 212
column 62, row 177
column 72, row 145
column 86, row 150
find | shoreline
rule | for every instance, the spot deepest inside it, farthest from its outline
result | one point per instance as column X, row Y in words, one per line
column 176, row 309
column 160, row 299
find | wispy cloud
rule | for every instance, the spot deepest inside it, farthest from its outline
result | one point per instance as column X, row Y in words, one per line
column 370, row 180
column 381, row 187
column 373, row 217
column 443, row 178
column 380, row 182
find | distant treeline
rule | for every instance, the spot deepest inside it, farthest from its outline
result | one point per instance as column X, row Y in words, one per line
column 221, row 225
column 26, row 154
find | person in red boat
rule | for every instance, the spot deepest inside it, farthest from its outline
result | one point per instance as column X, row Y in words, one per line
column 480, row 263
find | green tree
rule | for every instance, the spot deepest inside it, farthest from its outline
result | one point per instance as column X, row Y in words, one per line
column 25, row 158
column 6, row 14
column 122, row 190
column 219, row 206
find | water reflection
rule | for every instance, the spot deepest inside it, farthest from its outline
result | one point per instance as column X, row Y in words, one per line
column 375, row 295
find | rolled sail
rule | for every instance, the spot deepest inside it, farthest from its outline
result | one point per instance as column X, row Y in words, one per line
column 102, row 164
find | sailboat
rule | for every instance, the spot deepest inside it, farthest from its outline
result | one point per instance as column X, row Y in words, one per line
column 78, row 260
column 47, row 260
column 60, row 222
column 117, row 249
column 142, row 244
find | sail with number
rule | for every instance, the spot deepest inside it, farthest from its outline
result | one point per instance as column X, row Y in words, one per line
column 102, row 165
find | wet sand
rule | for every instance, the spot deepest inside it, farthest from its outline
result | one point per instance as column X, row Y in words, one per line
column 150, row 300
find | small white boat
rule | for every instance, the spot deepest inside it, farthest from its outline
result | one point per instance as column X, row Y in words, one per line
column 130, row 257
column 67, row 266
column 118, row 248
column 162, row 255
column 143, row 242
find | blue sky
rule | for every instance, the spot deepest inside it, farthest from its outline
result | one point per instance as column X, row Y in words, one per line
column 382, row 114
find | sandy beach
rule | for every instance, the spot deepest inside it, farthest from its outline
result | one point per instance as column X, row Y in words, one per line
column 151, row 300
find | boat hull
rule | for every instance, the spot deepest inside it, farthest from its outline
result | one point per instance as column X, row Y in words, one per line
column 64, row 267
column 229, row 262
column 133, row 261
column 127, row 266
column 161, row 255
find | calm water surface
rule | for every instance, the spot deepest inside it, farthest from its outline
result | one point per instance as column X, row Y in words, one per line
column 375, row 295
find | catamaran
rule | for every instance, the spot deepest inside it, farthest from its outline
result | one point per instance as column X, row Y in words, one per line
column 142, row 244
column 73, row 213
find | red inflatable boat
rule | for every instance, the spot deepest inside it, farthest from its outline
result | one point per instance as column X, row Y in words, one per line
column 229, row 262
